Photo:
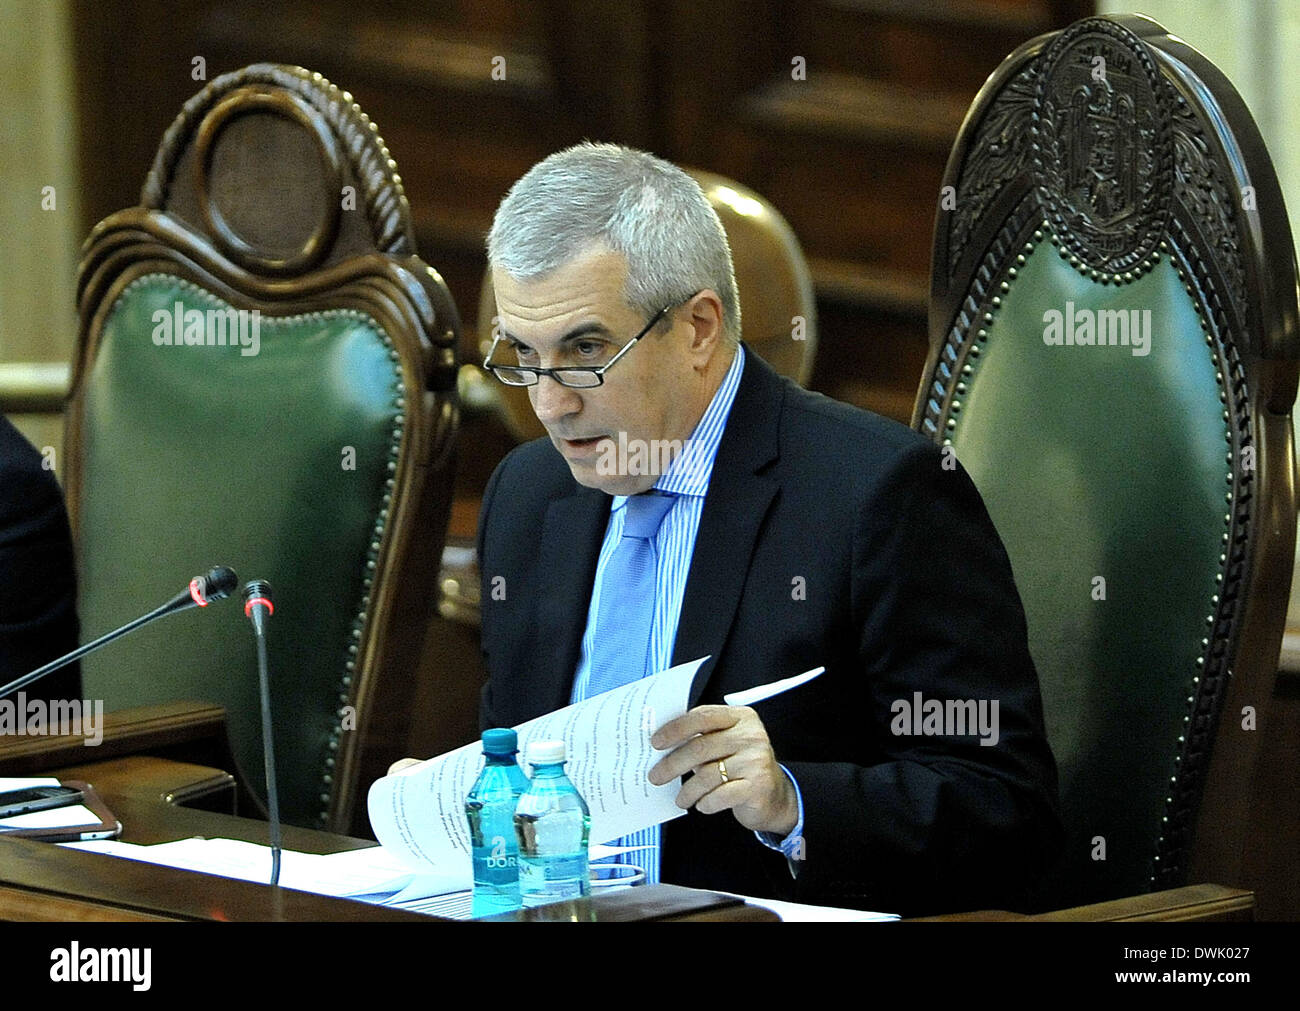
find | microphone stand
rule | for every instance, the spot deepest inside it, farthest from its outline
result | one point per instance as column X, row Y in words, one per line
column 215, row 585
column 257, row 605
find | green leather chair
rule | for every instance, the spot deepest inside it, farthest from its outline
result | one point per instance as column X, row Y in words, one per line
column 1144, row 483
column 314, row 452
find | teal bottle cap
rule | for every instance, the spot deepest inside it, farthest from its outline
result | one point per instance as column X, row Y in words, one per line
column 500, row 742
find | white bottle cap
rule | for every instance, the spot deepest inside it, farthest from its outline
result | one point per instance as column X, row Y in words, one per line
column 545, row 752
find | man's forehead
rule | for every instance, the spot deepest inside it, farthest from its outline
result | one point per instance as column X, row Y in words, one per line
column 591, row 285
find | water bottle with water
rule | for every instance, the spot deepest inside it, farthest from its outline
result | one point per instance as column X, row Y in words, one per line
column 490, row 810
column 552, row 824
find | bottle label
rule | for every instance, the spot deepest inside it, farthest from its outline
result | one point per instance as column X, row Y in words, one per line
column 497, row 862
column 553, row 878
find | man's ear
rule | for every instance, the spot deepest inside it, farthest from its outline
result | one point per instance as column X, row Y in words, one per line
column 705, row 311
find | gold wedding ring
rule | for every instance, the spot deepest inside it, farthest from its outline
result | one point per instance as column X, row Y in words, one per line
column 722, row 768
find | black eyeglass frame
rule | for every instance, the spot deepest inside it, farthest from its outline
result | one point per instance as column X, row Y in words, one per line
column 593, row 370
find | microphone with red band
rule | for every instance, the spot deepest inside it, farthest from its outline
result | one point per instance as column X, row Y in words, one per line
column 216, row 584
column 258, row 607
column 257, row 594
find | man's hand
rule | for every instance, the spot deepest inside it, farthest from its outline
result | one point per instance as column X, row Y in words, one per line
column 757, row 791
column 402, row 763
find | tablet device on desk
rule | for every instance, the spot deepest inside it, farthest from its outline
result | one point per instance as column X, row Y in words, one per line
column 86, row 817
column 36, row 798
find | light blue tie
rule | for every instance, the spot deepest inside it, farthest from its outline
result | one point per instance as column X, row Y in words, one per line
column 627, row 597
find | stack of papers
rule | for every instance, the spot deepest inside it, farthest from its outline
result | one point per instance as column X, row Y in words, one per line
column 370, row 874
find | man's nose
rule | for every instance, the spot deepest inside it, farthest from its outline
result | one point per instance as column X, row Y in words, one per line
column 553, row 401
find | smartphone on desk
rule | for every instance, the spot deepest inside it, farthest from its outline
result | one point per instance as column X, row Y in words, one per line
column 37, row 798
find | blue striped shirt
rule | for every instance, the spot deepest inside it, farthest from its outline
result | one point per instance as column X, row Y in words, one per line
column 688, row 478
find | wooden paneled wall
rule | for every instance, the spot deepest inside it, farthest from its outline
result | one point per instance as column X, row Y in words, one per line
column 840, row 112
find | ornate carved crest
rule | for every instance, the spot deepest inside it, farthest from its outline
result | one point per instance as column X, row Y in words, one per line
column 1103, row 161
column 995, row 161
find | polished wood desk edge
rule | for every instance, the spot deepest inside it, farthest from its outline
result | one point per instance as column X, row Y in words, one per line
column 1204, row 903
column 141, row 791
column 125, row 732
column 77, row 880
column 39, row 881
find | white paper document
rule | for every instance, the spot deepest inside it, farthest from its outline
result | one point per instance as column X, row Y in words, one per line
column 758, row 693
column 359, row 873
column 799, row 912
column 26, row 782
column 419, row 814
column 51, row 817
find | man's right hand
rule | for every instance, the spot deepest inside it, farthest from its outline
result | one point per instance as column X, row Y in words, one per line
column 402, row 763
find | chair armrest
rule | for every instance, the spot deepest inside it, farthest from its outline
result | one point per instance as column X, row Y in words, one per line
column 1193, row 903
column 170, row 727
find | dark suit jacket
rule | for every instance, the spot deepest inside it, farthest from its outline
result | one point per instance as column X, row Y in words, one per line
column 830, row 536
column 38, row 591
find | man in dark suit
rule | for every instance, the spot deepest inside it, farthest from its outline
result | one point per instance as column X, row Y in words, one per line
column 799, row 532
column 38, row 591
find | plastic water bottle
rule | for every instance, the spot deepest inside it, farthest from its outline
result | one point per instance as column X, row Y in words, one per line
column 490, row 810
column 552, row 823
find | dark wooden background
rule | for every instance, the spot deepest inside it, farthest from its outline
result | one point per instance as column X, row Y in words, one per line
column 852, row 155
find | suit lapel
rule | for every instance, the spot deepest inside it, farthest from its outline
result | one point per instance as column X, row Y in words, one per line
column 572, row 533
column 735, row 507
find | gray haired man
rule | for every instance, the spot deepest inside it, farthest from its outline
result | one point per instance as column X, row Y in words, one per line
column 790, row 532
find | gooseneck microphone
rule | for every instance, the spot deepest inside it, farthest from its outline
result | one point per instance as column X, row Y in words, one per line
column 217, row 584
column 258, row 607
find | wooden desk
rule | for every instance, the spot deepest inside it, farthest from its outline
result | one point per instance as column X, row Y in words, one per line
column 39, row 881
column 43, row 882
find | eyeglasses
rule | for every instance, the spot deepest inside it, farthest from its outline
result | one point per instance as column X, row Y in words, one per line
column 581, row 377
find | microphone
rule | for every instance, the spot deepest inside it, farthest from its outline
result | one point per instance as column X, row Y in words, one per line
column 257, row 604
column 258, row 607
column 216, row 584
